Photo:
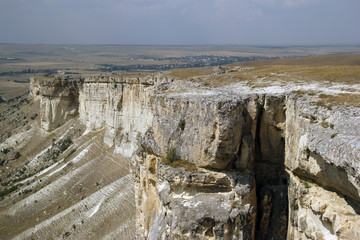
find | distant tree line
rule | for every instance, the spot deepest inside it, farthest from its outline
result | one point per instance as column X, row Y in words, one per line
column 47, row 72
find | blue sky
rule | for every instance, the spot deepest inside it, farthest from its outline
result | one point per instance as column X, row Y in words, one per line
column 181, row 22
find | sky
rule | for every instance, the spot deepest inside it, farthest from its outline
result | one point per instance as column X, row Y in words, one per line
column 181, row 22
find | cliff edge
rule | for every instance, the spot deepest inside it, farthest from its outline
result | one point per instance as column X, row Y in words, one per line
column 244, row 160
column 228, row 162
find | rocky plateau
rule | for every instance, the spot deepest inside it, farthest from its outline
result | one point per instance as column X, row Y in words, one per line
column 155, row 157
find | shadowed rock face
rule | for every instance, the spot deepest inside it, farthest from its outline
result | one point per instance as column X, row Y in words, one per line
column 250, row 165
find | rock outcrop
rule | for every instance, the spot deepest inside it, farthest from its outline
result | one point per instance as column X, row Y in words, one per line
column 247, row 165
column 322, row 158
column 120, row 105
column 59, row 100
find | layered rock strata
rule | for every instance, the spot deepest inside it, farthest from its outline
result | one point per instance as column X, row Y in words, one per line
column 245, row 165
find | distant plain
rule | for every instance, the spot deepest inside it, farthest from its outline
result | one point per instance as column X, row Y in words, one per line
column 24, row 60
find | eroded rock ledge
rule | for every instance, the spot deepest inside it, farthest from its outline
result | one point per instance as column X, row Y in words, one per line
column 256, row 164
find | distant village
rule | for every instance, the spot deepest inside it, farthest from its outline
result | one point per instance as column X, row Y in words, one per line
column 181, row 62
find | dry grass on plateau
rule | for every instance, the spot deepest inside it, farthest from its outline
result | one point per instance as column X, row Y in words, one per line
column 326, row 70
column 343, row 68
column 343, row 99
column 190, row 72
column 335, row 68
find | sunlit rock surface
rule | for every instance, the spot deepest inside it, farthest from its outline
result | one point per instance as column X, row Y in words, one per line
column 248, row 163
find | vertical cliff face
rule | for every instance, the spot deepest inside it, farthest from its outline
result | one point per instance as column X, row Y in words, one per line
column 182, row 204
column 238, row 188
column 59, row 100
column 221, row 164
column 322, row 158
column 214, row 197
column 121, row 106
column 200, row 127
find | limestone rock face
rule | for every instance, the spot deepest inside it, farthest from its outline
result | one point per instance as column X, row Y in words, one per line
column 193, row 205
column 321, row 214
column 248, row 165
column 121, row 106
column 324, row 149
column 272, row 128
column 59, row 100
column 209, row 126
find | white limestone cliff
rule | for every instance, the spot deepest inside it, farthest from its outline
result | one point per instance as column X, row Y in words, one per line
column 262, row 164
column 121, row 106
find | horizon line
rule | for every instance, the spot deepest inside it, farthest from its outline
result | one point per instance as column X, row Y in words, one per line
column 193, row 45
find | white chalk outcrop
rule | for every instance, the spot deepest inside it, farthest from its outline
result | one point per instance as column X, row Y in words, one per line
column 265, row 164
column 121, row 106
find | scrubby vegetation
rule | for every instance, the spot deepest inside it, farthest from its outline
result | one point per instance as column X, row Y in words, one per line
column 296, row 206
column 6, row 191
column 329, row 101
column 5, row 150
column 146, row 149
column 64, row 144
column 172, row 159
column 182, row 124
column 66, row 234
column 334, row 135
column 171, row 155
column 182, row 163
column 58, row 148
